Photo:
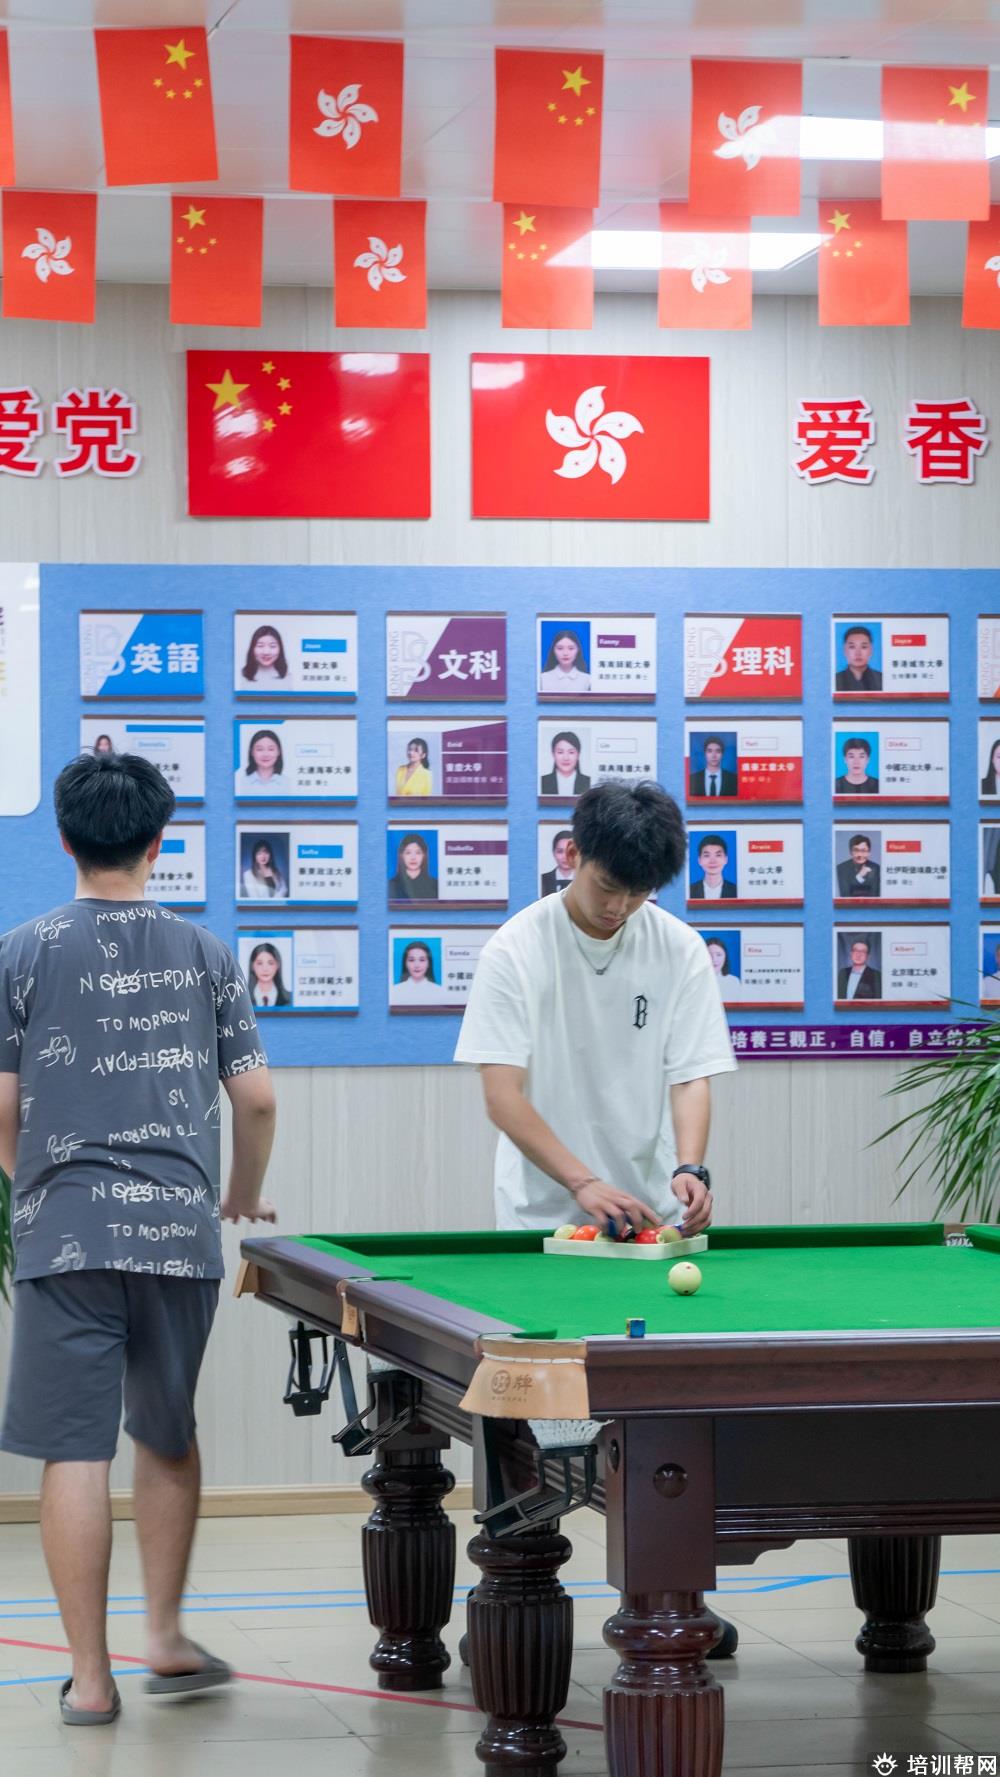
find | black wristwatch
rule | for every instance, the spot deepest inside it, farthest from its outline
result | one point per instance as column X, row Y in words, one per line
column 700, row 1172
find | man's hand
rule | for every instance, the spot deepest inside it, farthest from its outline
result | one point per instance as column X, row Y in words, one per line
column 604, row 1203
column 232, row 1210
column 697, row 1199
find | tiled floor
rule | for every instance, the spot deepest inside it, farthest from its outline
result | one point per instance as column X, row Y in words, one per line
column 280, row 1598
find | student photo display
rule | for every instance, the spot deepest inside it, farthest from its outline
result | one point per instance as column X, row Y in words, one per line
column 451, row 864
column 891, row 864
column 301, row 863
column 300, row 968
column 886, row 657
column 174, row 744
column 746, row 864
column 611, row 657
column 295, row 759
column 278, row 654
column 431, row 967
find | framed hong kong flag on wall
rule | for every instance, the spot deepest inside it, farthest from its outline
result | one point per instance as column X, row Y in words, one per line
column 589, row 437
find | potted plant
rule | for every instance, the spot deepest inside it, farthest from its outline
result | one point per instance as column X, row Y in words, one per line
column 6, row 1237
column 955, row 1130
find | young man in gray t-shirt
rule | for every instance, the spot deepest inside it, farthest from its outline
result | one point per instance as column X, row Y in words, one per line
column 120, row 1025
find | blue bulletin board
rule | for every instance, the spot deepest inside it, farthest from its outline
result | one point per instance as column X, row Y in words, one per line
column 36, row 875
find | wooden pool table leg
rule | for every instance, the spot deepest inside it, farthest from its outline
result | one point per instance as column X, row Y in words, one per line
column 663, row 1710
column 520, row 1649
column 408, row 1553
column 895, row 1583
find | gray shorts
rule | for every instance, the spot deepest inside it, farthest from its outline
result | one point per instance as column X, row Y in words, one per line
column 82, row 1341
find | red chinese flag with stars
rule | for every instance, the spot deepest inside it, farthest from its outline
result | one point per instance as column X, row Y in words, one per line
column 6, row 117
column 216, row 261
column 745, row 126
column 308, row 434
column 536, row 291
column 981, row 299
column 49, row 255
column 705, row 280
column 380, row 264
column 574, row 436
column 934, row 165
column 547, row 145
column 345, row 118
column 863, row 267
column 156, row 106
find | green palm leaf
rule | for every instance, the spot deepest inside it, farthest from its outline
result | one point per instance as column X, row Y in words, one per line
column 954, row 1132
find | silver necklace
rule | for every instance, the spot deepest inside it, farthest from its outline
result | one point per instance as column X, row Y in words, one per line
column 617, row 946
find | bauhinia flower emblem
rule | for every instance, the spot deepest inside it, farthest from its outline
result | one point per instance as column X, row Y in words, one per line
column 591, row 437
column 744, row 137
column 344, row 115
column 51, row 257
column 994, row 265
column 705, row 262
column 381, row 263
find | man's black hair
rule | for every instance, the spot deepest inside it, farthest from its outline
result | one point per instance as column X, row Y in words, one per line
column 859, row 629
column 858, row 740
column 110, row 808
column 712, row 839
column 859, row 839
column 563, row 833
column 635, row 832
column 713, row 740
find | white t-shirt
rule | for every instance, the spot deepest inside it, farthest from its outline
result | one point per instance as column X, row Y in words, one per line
column 573, row 682
column 600, row 1051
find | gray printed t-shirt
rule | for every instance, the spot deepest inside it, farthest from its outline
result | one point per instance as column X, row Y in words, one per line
column 120, row 1019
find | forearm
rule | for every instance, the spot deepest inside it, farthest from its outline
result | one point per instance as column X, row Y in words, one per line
column 520, row 1122
column 691, row 1115
column 253, row 1135
column 10, row 1119
column 8, row 1146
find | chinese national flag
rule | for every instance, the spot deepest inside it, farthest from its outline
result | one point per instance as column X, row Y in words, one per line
column 547, row 146
column 49, row 255
column 574, row 436
column 535, row 292
column 706, row 279
column 6, row 117
column 156, row 106
column 981, row 301
column 308, row 434
column 380, row 264
column 216, row 261
column 345, row 120
column 934, row 165
column 745, row 124
column 863, row 268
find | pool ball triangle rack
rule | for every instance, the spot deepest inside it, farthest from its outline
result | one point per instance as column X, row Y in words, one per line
column 621, row 1249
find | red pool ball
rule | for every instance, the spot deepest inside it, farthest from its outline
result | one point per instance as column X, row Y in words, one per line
column 587, row 1233
column 646, row 1237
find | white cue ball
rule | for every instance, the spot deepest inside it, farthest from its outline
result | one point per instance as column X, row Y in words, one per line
column 684, row 1278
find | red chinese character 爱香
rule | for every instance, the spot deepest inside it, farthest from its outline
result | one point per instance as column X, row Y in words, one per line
column 834, row 436
column 946, row 437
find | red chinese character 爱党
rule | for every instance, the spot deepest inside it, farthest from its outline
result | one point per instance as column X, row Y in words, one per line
column 20, row 425
column 834, row 435
column 946, row 437
column 95, row 423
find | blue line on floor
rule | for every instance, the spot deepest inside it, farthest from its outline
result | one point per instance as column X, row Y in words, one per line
column 61, row 1677
column 353, row 1597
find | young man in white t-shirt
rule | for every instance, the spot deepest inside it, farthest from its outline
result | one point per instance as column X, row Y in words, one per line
column 596, row 1023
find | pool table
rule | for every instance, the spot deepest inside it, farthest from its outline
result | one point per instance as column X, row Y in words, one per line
column 824, row 1382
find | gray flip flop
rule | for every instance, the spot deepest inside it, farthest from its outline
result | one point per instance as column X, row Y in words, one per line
column 176, row 1684
column 88, row 1718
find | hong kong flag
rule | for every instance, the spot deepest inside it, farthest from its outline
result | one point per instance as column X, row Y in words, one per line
column 156, row 106
column 535, row 289
column 49, row 255
column 216, row 254
column 308, row 434
column 585, row 437
column 547, row 144
column 981, row 302
column 706, row 279
column 345, row 120
column 745, row 125
column 6, row 117
column 934, row 165
column 380, row 264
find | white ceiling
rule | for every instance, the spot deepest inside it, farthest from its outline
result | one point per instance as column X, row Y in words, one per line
column 448, row 123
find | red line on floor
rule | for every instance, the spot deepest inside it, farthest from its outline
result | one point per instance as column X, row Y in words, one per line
column 305, row 1684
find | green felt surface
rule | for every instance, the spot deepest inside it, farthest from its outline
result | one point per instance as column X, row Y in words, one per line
column 755, row 1280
